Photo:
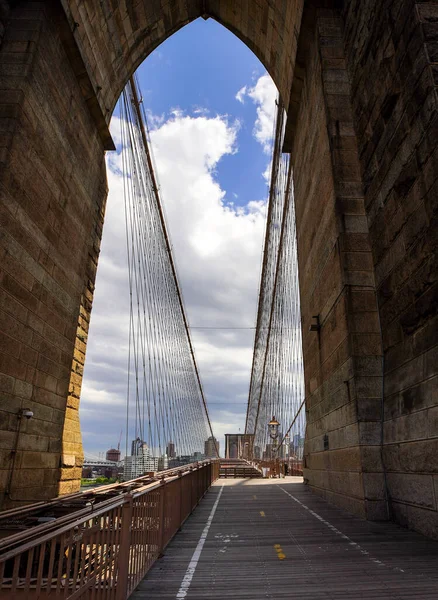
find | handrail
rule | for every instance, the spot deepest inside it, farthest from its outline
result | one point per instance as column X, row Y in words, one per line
column 90, row 509
column 108, row 547
column 60, row 530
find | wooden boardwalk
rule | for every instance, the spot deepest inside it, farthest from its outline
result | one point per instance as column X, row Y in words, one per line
column 275, row 539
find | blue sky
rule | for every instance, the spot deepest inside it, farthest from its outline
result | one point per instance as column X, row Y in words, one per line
column 203, row 66
column 211, row 106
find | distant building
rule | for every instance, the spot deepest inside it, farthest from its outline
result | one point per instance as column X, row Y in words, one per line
column 170, row 450
column 238, row 445
column 268, row 454
column 284, row 451
column 134, row 467
column 297, row 446
column 113, row 455
column 101, row 468
column 210, row 447
column 142, row 462
column 185, row 459
column 298, row 441
column 157, row 463
column 180, row 461
column 138, row 447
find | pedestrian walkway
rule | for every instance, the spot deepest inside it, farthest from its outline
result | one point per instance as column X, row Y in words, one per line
column 259, row 538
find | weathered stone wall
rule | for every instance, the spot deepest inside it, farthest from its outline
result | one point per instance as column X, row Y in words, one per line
column 4, row 12
column 52, row 194
column 392, row 56
column 115, row 37
column 343, row 359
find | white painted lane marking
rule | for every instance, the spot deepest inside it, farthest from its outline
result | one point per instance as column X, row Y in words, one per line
column 185, row 585
column 355, row 545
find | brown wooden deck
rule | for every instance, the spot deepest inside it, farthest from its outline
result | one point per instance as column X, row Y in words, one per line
column 266, row 543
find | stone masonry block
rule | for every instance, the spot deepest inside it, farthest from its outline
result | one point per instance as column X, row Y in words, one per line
column 414, row 489
column 414, row 517
column 68, row 460
column 408, row 427
column 374, row 486
column 70, row 474
column 39, row 460
column 418, row 456
column 376, row 510
column 369, row 409
column 23, row 389
column 370, row 433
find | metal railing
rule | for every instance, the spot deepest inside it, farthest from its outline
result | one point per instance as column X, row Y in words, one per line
column 276, row 467
column 106, row 552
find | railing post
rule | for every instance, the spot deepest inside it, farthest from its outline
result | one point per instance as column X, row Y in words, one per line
column 180, row 479
column 191, row 488
column 162, row 515
column 124, row 550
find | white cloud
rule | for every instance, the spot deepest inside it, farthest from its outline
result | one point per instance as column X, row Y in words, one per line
column 264, row 95
column 116, row 132
column 240, row 96
column 267, row 172
column 217, row 248
column 177, row 112
column 200, row 110
column 154, row 120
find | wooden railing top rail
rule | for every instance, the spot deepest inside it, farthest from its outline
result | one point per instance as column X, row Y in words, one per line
column 132, row 487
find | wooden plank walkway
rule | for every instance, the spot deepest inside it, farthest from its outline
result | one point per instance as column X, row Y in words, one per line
column 275, row 539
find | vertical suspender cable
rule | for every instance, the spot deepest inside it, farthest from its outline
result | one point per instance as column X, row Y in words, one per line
column 140, row 124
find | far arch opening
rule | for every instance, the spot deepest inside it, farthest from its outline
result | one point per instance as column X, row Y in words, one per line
column 200, row 145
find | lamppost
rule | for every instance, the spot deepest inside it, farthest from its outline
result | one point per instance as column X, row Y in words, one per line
column 273, row 426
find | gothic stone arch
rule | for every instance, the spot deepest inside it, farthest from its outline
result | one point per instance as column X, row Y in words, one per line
column 359, row 82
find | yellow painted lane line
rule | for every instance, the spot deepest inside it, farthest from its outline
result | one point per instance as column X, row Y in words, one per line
column 280, row 554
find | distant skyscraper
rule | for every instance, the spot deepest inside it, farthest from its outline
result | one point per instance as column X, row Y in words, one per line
column 135, row 446
column 170, row 450
column 210, row 447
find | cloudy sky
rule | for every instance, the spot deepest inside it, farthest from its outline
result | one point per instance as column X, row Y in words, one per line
column 211, row 106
